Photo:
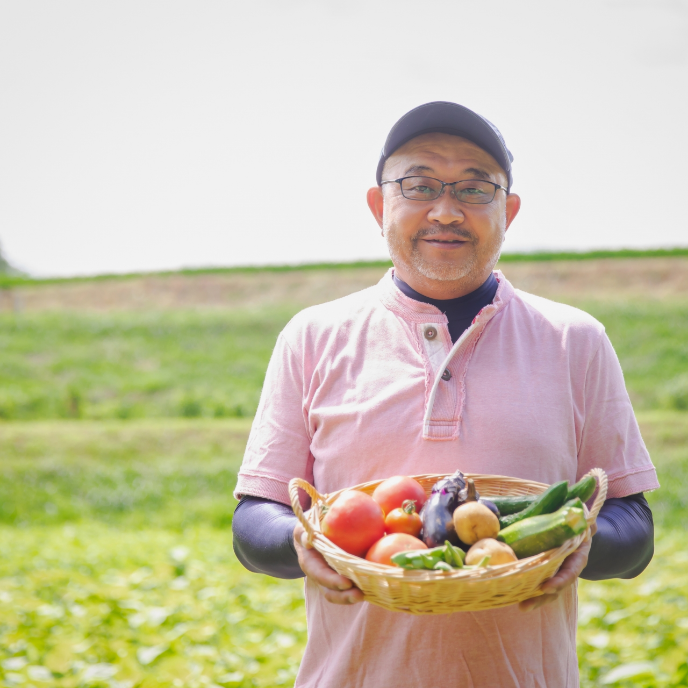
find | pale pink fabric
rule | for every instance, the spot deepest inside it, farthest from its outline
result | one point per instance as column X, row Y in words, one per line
column 536, row 392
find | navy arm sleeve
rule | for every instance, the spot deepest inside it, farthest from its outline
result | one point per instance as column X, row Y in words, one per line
column 624, row 543
column 622, row 547
column 263, row 533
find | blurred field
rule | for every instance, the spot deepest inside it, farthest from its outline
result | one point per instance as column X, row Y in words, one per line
column 618, row 279
column 127, row 405
column 198, row 346
column 116, row 566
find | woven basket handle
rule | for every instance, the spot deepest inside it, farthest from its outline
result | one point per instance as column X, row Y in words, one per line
column 601, row 478
column 294, row 485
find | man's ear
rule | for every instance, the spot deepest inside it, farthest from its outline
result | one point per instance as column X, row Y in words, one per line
column 513, row 205
column 376, row 203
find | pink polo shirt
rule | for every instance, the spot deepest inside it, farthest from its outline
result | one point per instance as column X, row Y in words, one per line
column 354, row 393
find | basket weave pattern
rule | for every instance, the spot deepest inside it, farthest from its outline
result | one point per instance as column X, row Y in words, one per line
column 438, row 592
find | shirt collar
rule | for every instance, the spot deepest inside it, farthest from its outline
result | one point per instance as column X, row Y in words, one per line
column 416, row 311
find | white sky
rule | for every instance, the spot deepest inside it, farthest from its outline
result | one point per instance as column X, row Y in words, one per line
column 145, row 135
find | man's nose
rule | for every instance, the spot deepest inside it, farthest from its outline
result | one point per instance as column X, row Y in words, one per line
column 446, row 209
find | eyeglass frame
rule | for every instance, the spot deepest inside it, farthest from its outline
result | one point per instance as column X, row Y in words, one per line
column 425, row 200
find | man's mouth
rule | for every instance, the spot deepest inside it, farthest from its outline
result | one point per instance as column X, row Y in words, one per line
column 445, row 242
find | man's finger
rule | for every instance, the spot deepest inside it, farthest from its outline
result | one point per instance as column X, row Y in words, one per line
column 346, row 597
column 569, row 571
column 567, row 575
column 313, row 564
column 536, row 602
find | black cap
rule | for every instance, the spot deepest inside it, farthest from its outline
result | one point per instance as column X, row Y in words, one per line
column 447, row 118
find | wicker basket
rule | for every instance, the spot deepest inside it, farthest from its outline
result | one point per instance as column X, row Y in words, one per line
column 437, row 592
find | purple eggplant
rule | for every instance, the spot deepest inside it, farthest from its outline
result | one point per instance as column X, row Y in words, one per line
column 470, row 494
column 437, row 512
column 491, row 506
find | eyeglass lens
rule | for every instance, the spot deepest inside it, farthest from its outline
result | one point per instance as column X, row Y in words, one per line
column 427, row 189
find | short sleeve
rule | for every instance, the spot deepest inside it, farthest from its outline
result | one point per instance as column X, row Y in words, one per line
column 278, row 447
column 611, row 438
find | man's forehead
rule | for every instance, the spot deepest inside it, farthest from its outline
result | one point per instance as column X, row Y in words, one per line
column 424, row 153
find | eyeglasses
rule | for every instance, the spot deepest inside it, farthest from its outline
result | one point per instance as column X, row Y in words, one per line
column 429, row 188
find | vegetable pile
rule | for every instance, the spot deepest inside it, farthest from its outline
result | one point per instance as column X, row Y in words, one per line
column 454, row 527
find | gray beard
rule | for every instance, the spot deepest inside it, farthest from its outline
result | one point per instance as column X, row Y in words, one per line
column 445, row 272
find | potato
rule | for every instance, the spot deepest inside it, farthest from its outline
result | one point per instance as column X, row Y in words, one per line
column 474, row 521
column 499, row 552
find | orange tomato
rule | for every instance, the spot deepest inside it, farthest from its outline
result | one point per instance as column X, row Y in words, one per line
column 404, row 520
column 393, row 492
column 381, row 552
column 354, row 522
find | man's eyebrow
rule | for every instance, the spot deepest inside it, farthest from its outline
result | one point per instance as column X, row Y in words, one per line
column 418, row 168
column 472, row 171
column 477, row 172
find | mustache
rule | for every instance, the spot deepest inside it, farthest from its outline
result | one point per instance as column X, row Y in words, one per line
column 431, row 231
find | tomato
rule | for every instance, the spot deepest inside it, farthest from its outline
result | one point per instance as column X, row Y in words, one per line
column 354, row 522
column 381, row 552
column 393, row 492
column 404, row 520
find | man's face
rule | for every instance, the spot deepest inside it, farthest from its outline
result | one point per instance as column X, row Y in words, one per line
column 444, row 240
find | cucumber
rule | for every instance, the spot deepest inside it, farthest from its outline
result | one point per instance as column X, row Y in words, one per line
column 512, row 505
column 583, row 489
column 541, row 533
column 546, row 503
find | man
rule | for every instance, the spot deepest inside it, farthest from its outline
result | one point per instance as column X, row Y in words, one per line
column 442, row 365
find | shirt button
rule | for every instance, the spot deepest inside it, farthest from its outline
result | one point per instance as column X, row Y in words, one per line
column 446, row 375
column 430, row 332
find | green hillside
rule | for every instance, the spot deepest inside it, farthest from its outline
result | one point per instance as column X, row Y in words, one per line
column 211, row 363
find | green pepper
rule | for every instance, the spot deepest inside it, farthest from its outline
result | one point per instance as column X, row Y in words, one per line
column 447, row 555
column 442, row 566
column 453, row 555
column 413, row 559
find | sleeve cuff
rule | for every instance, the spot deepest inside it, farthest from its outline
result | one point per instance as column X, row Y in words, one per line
column 640, row 480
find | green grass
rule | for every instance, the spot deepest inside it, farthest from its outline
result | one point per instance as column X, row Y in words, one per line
column 133, row 365
column 211, row 363
column 651, row 341
column 91, row 605
column 173, row 474
column 116, row 561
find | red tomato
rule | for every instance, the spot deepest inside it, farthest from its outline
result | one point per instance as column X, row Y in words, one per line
column 354, row 522
column 404, row 520
column 393, row 492
column 381, row 552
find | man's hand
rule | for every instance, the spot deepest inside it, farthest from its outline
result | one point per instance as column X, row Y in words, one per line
column 567, row 574
column 336, row 588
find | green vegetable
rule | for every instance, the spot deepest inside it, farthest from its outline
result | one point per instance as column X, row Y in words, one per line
column 584, row 489
column 443, row 558
column 513, row 504
column 442, row 566
column 541, row 533
column 546, row 503
column 453, row 555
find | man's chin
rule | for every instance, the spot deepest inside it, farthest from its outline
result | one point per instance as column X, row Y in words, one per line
column 443, row 272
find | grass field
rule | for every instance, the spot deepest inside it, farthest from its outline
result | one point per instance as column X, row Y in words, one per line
column 210, row 363
column 124, row 428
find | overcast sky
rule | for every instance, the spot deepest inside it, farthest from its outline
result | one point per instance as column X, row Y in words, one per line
column 146, row 135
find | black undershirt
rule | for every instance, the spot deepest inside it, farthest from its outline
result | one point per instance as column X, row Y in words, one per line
column 460, row 311
column 622, row 547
